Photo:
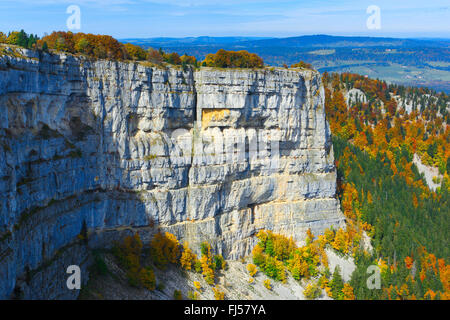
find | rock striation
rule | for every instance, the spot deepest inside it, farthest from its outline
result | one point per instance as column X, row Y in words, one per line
column 91, row 149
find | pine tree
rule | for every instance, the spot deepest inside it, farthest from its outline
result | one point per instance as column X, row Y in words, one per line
column 337, row 284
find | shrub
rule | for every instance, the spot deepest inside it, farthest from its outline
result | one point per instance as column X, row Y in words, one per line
column 267, row 284
column 177, row 295
column 219, row 262
column 218, row 295
column 302, row 65
column 133, row 277
column 208, row 273
column 197, row 285
column 312, row 291
column 252, row 270
column 198, row 266
column 193, row 295
column 160, row 286
column 99, row 267
column 147, row 278
column 205, row 249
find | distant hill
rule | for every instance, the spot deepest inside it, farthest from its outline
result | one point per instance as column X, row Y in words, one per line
column 326, row 41
column 204, row 40
column 320, row 40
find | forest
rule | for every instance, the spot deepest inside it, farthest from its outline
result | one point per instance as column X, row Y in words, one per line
column 381, row 190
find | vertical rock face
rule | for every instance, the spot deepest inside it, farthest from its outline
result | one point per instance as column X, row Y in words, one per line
column 209, row 155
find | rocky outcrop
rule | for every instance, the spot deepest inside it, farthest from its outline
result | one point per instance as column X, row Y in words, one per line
column 209, row 155
column 355, row 96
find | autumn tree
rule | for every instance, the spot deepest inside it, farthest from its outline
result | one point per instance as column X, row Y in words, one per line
column 128, row 254
column 267, row 284
column 233, row 59
column 252, row 269
column 197, row 285
column 188, row 258
column 154, row 56
column 20, row 38
column 312, row 291
column 172, row 58
column 135, row 52
column 347, row 291
column 147, row 278
column 164, row 249
column 188, row 60
column 218, row 294
column 98, row 46
column 206, row 261
column 302, row 65
column 177, row 295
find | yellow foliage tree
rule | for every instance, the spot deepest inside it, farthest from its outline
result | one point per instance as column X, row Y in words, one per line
column 218, row 294
column 252, row 270
column 164, row 249
column 197, row 285
column 207, row 263
column 340, row 241
column 188, row 257
column 348, row 292
column 147, row 278
column 312, row 291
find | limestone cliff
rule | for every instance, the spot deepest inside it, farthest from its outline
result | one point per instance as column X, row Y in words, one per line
column 118, row 146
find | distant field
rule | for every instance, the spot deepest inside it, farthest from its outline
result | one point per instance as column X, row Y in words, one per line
column 396, row 73
column 439, row 64
column 323, row 52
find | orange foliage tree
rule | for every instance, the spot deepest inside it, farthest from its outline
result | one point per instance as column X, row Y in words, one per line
column 233, row 59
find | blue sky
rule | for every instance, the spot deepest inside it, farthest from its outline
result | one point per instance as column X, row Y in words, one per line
column 174, row 18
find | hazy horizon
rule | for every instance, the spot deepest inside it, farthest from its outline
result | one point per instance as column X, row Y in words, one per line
column 249, row 18
column 291, row 36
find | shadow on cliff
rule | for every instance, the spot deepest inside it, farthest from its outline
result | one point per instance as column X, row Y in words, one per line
column 65, row 190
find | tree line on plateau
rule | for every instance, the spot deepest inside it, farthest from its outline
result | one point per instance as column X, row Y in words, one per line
column 106, row 47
